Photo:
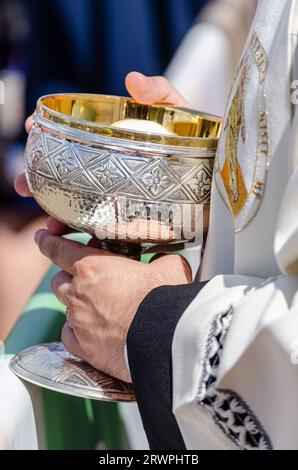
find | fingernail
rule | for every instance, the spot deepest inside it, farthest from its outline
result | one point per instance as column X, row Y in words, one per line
column 37, row 236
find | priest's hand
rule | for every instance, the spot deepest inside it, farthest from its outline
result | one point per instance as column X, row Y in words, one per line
column 150, row 90
column 102, row 292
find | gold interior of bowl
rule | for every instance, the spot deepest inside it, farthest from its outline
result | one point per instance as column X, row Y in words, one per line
column 97, row 113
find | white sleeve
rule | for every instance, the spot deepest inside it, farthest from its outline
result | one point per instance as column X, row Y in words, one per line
column 235, row 351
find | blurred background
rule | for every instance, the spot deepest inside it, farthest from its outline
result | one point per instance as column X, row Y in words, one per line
column 89, row 46
column 63, row 46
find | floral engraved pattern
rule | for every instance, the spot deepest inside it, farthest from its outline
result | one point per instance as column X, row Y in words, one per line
column 36, row 157
column 64, row 163
column 34, row 151
column 107, row 174
column 157, row 181
column 201, row 183
column 101, row 170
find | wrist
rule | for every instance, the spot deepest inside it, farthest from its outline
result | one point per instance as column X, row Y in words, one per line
column 164, row 270
column 171, row 269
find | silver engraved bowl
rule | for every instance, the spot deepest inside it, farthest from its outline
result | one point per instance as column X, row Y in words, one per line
column 119, row 183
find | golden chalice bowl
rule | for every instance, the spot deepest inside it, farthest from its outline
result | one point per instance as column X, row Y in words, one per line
column 132, row 175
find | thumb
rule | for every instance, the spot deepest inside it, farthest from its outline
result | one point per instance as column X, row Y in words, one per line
column 150, row 90
column 21, row 186
column 28, row 124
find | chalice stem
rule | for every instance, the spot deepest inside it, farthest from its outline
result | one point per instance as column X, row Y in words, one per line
column 130, row 250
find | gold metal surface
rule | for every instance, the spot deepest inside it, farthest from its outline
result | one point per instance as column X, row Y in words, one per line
column 97, row 113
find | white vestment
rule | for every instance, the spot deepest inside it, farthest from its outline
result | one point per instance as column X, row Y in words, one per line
column 17, row 423
column 235, row 349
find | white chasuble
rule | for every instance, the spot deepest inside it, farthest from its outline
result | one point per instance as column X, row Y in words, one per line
column 235, row 349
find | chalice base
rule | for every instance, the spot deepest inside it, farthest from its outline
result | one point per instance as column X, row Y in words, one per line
column 51, row 366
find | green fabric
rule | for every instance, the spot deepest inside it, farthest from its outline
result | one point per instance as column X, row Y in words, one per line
column 44, row 300
column 38, row 324
column 147, row 257
column 76, row 423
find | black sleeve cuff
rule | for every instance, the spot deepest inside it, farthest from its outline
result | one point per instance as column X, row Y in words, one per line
column 149, row 346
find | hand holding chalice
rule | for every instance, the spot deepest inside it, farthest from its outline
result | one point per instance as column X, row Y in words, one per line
column 132, row 175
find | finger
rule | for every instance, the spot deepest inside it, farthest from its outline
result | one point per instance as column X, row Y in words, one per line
column 149, row 90
column 28, row 124
column 21, row 186
column 61, row 286
column 57, row 228
column 64, row 253
column 70, row 341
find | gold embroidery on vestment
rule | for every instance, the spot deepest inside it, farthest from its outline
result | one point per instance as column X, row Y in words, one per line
column 239, row 195
column 235, row 128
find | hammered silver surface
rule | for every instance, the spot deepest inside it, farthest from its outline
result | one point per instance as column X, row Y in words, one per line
column 85, row 186
column 51, row 366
